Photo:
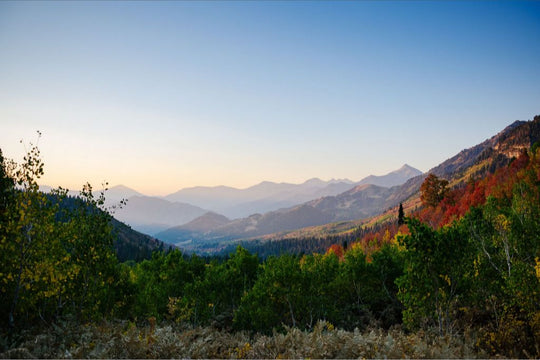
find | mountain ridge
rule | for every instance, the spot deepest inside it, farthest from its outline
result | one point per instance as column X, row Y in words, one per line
column 394, row 178
column 270, row 196
column 357, row 201
column 366, row 200
column 151, row 214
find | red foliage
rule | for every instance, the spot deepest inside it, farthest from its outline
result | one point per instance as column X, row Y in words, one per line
column 458, row 201
column 336, row 249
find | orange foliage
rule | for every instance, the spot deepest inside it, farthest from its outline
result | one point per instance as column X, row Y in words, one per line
column 458, row 201
column 454, row 205
column 337, row 250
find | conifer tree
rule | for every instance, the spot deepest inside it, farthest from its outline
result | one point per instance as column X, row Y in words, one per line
column 401, row 215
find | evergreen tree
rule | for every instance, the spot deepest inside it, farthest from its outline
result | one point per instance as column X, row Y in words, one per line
column 401, row 215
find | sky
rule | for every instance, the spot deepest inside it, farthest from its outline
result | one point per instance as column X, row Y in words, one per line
column 164, row 95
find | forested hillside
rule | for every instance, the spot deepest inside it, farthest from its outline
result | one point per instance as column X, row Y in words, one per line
column 459, row 276
column 128, row 244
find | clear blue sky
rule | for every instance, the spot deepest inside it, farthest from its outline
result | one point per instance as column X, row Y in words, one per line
column 163, row 95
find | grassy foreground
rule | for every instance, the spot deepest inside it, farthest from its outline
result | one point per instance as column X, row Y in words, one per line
column 127, row 340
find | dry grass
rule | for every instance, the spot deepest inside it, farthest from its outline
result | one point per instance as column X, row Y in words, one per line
column 125, row 340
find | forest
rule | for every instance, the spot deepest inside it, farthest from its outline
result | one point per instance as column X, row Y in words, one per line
column 458, row 277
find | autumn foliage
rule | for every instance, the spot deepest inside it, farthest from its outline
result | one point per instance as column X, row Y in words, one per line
column 457, row 202
column 433, row 190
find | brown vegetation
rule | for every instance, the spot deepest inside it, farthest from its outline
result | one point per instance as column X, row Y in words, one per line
column 126, row 340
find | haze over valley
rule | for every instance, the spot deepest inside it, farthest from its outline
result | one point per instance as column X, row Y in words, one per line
column 152, row 215
column 275, row 210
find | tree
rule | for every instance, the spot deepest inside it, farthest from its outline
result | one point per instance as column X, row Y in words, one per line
column 91, row 253
column 275, row 298
column 438, row 264
column 55, row 259
column 215, row 296
column 401, row 215
column 27, row 236
column 433, row 190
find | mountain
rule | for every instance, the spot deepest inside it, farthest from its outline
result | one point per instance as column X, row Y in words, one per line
column 360, row 202
column 274, row 221
column 365, row 200
column 193, row 229
column 263, row 197
column 128, row 244
column 394, row 178
column 495, row 152
column 151, row 214
column 253, row 225
column 472, row 163
column 206, row 222
column 119, row 192
column 314, row 202
column 133, row 245
column 270, row 196
column 477, row 161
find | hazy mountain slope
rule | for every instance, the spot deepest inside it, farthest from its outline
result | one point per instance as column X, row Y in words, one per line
column 394, row 178
column 260, row 206
column 133, row 245
column 269, row 196
column 257, row 224
column 492, row 153
column 254, row 225
column 367, row 200
column 344, row 201
column 263, row 197
column 479, row 160
column 119, row 192
column 150, row 214
column 196, row 228
column 476, row 161
column 361, row 201
column 206, row 222
column 358, row 202
column 205, row 196
column 288, row 197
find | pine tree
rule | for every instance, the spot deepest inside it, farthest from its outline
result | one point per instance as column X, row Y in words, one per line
column 401, row 215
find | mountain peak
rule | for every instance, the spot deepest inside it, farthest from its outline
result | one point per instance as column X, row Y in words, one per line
column 396, row 177
column 122, row 188
column 408, row 170
column 314, row 182
column 206, row 222
column 121, row 192
column 406, row 166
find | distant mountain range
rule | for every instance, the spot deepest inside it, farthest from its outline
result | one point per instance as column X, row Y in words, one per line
column 394, row 178
column 362, row 201
column 472, row 163
column 351, row 201
column 184, row 218
column 152, row 215
column 260, row 198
